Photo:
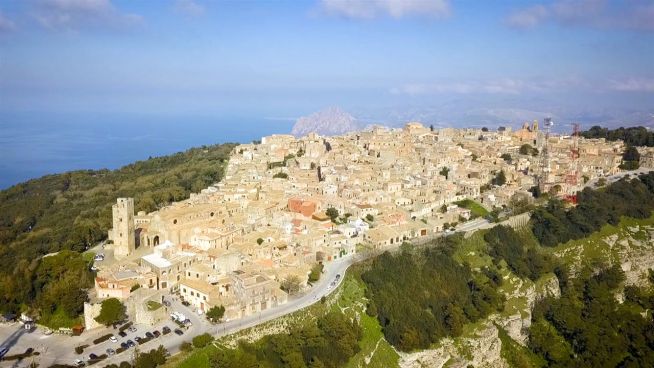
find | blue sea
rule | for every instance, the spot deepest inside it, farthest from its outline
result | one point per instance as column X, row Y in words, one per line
column 32, row 145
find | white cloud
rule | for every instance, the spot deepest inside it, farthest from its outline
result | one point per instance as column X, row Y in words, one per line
column 6, row 24
column 189, row 7
column 368, row 9
column 527, row 18
column 73, row 14
column 633, row 85
column 634, row 14
column 500, row 86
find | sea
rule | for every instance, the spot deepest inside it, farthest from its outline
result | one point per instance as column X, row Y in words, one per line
column 33, row 145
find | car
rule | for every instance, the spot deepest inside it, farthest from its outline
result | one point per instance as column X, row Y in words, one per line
column 131, row 343
column 93, row 268
column 79, row 363
column 166, row 330
column 179, row 332
column 149, row 335
column 113, row 339
column 3, row 351
column 132, row 329
column 156, row 333
column 166, row 303
column 92, row 356
column 124, row 345
column 122, row 333
column 111, row 351
column 138, row 338
column 47, row 332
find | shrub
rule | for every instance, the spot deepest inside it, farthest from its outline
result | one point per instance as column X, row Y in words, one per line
column 186, row 346
column 203, row 340
column 102, row 339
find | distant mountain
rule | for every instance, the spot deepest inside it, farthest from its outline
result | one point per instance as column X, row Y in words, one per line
column 331, row 121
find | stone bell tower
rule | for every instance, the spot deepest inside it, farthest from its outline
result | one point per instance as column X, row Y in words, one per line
column 123, row 227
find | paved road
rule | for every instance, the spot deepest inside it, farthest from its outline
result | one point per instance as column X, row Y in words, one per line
column 612, row 178
column 60, row 349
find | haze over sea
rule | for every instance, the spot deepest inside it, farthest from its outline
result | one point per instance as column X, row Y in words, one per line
column 31, row 146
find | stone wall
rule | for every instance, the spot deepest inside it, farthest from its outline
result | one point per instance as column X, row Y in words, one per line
column 90, row 312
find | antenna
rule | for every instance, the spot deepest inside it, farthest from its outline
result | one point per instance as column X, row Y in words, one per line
column 542, row 178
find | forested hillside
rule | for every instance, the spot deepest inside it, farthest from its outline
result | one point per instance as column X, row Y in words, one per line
column 72, row 211
column 632, row 136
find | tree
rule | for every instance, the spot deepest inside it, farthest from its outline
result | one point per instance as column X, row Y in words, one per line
column 203, row 340
column 216, row 313
column 332, row 213
column 291, row 284
column 484, row 129
column 506, row 157
column 186, row 346
column 630, row 158
column 316, row 270
column 259, row 241
column 527, row 149
column 151, row 359
column 499, row 179
column 431, row 127
column 444, row 172
column 370, row 217
column 111, row 311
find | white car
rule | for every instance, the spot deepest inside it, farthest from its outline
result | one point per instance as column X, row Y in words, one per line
column 113, row 339
column 79, row 362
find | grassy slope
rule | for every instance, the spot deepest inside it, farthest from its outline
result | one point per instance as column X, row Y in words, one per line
column 376, row 352
column 349, row 299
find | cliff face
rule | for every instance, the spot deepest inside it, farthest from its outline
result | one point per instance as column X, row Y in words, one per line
column 331, row 121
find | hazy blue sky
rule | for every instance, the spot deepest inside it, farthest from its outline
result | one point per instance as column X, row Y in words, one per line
column 287, row 58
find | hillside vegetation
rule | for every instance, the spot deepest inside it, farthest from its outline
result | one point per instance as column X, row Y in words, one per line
column 72, row 211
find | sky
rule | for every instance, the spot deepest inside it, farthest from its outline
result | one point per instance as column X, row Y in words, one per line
column 380, row 59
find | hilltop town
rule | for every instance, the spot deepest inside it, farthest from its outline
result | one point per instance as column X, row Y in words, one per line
column 287, row 204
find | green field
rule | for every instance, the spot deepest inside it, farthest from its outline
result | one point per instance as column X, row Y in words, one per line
column 476, row 209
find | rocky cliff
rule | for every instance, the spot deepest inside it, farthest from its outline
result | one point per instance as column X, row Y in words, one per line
column 331, row 121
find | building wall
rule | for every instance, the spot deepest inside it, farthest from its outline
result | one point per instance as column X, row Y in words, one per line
column 123, row 227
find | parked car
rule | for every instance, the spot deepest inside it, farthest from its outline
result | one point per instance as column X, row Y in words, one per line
column 79, row 363
column 179, row 332
column 122, row 333
column 138, row 338
column 149, row 335
column 156, row 333
column 111, row 351
column 92, row 356
column 131, row 343
column 3, row 351
column 132, row 329
column 113, row 339
column 124, row 345
column 166, row 330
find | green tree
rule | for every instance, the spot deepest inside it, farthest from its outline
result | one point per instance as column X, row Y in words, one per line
column 506, row 157
column 315, row 273
column 630, row 158
column 332, row 213
column 370, row 217
column 216, row 313
column 444, row 172
column 203, row 340
column 111, row 311
column 499, row 179
column 291, row 284
column 259, row 241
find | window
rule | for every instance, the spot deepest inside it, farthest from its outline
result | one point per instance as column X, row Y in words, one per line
column 192, row 294
column 204, row 297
